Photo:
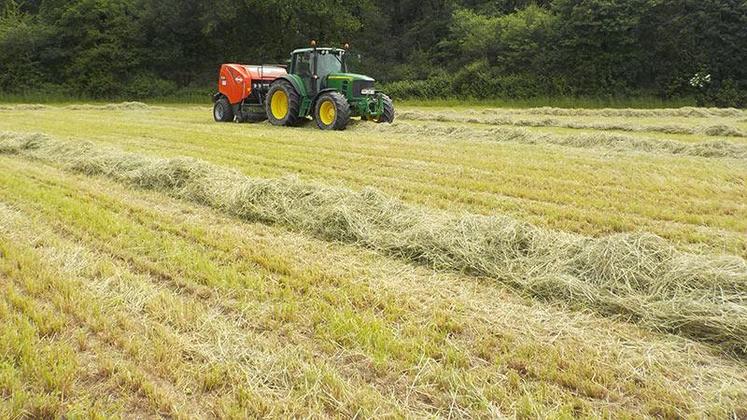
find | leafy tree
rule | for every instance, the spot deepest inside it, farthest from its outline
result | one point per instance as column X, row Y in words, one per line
column 141, row 48
column 21, row 40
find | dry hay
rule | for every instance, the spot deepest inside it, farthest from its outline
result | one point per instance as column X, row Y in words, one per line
column 607, row 141
column 637, row 276
column 476, row 118
column 688, row 112
column 123, row 106
column 23, row 107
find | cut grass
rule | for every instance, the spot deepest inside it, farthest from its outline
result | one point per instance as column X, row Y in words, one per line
column 707, row 148
column 500, row 118
column 202, row 315
column 637, row 276
column 696, row 203
column 159, row 306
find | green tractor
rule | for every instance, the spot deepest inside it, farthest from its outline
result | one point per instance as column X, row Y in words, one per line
column 318, row 84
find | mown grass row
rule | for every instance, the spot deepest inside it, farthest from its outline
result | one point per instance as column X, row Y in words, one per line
column 240, row 320
column 638, row 276
column 686, row 112
column 687, row 200
column 615, row 142
column 723, row 130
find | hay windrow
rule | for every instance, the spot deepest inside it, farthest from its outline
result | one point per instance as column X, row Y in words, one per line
column 23, row 107
column 123, row 106
column 637, row 276
column 687, row 112
column 512, row 120
column 607, row 141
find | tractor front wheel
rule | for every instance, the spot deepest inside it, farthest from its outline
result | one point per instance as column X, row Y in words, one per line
column 222, row 111
column 387, row 115
column 282, row 104
column 332, row 111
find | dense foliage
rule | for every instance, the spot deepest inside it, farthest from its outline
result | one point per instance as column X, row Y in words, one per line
column 423, row 48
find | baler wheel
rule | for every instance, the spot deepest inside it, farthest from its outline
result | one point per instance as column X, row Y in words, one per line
column 222, row 111
column 332, row 111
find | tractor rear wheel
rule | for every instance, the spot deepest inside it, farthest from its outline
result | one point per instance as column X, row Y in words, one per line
column 282, row 104
column 222, row 111
column 387, row 116
column 332, row 111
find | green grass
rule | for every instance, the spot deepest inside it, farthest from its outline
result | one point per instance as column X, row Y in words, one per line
column 118, row 301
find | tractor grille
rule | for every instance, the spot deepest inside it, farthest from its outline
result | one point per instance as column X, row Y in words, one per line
column 359, row 85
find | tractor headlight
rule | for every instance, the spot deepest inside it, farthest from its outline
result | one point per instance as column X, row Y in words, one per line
column 368, row 91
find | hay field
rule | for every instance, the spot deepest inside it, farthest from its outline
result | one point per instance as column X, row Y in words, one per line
column 458, row 263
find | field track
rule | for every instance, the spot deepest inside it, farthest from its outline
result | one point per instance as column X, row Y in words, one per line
column 459, row 263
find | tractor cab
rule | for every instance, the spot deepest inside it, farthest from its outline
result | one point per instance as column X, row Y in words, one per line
column 315, row 65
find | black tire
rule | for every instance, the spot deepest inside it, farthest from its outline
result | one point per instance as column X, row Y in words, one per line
column 388, row 115
column 332, row 120
column 222, row 111
column 291, row 117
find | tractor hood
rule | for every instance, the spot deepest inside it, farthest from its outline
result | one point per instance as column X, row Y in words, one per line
column 351, row 76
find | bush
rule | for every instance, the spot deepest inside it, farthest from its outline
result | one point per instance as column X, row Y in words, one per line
column 147, row 85
column 435, row 87
column 730, row 94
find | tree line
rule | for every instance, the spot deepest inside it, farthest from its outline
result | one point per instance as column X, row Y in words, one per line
column 418, row 48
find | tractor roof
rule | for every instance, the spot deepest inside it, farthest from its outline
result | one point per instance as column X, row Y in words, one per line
column 303, row 50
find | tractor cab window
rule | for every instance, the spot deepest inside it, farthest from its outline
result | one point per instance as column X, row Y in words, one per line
column 329, row 62
column 302, row 66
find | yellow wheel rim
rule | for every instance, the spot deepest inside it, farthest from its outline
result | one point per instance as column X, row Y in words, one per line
column 327, row 112
column 279, row 104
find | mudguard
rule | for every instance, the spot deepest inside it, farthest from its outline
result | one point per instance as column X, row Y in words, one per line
column 297, row 83
column 313, row 101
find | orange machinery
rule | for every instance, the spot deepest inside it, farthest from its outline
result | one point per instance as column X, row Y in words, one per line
column 242, row 89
